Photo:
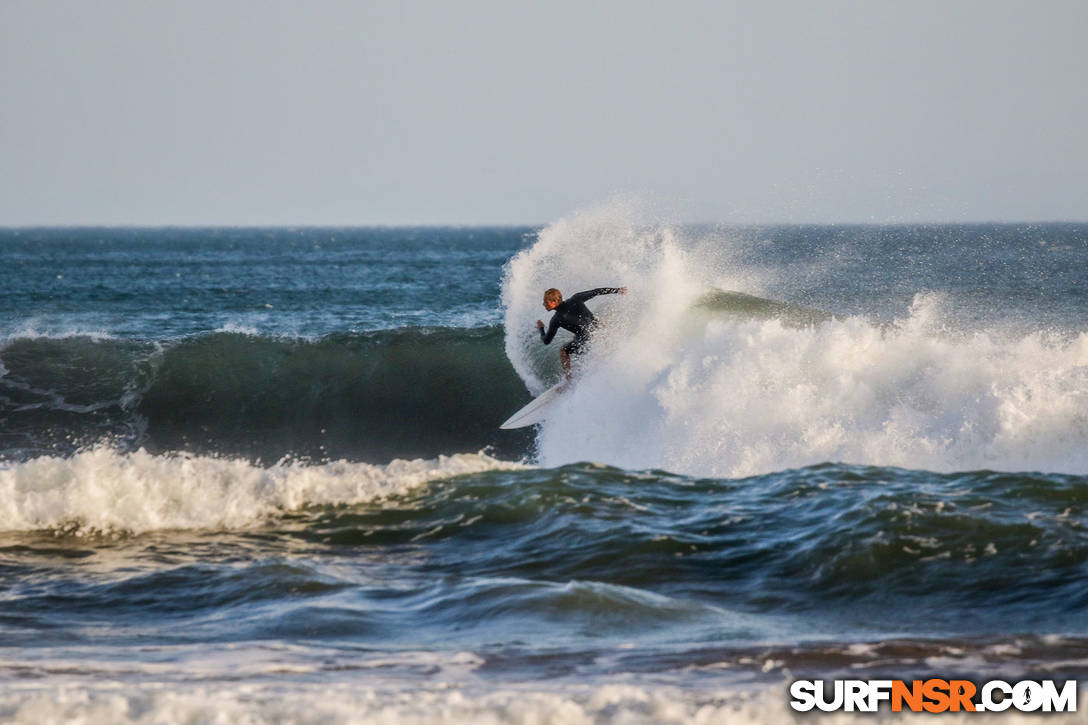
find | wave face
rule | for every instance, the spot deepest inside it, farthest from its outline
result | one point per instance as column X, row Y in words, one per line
column 208, row 526
column 477, row 550
column 690, row 377
column 412, row 392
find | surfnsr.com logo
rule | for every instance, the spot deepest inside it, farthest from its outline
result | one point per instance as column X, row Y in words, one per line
column 934, row 695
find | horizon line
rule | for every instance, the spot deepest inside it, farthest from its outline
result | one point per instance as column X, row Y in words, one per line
column 526, row 225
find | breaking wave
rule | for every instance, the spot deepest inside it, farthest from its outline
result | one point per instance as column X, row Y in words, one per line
column 691, row 377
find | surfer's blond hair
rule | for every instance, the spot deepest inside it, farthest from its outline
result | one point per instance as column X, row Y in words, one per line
column 553, row 295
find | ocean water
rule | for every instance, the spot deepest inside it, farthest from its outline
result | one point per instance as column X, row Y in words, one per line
column 256, row 475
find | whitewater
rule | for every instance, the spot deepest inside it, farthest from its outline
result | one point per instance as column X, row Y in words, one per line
column 691, row 388
column 256, row 474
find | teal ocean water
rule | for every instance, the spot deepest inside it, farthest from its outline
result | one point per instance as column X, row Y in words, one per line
column 256, row 474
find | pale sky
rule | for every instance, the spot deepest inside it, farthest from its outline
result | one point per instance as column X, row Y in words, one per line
column 504, row 111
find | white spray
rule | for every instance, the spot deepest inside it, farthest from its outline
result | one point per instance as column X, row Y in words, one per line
column 669, row 385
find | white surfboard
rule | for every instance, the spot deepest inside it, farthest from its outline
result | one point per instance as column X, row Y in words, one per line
column 536, row 410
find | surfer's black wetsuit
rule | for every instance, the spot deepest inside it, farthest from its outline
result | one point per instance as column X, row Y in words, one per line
column 572, row 314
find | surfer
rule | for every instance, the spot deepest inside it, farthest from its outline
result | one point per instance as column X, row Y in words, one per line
column 574, row 316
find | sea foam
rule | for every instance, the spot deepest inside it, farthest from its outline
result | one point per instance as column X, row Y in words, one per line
column 421, row 702
column 102, row 490
column 671, row 384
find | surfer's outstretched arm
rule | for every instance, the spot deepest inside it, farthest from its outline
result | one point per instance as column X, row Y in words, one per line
column 546, row 337
column 590, row 294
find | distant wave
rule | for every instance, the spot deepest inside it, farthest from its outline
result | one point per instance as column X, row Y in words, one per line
column 412, row 392
column 725, row 303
